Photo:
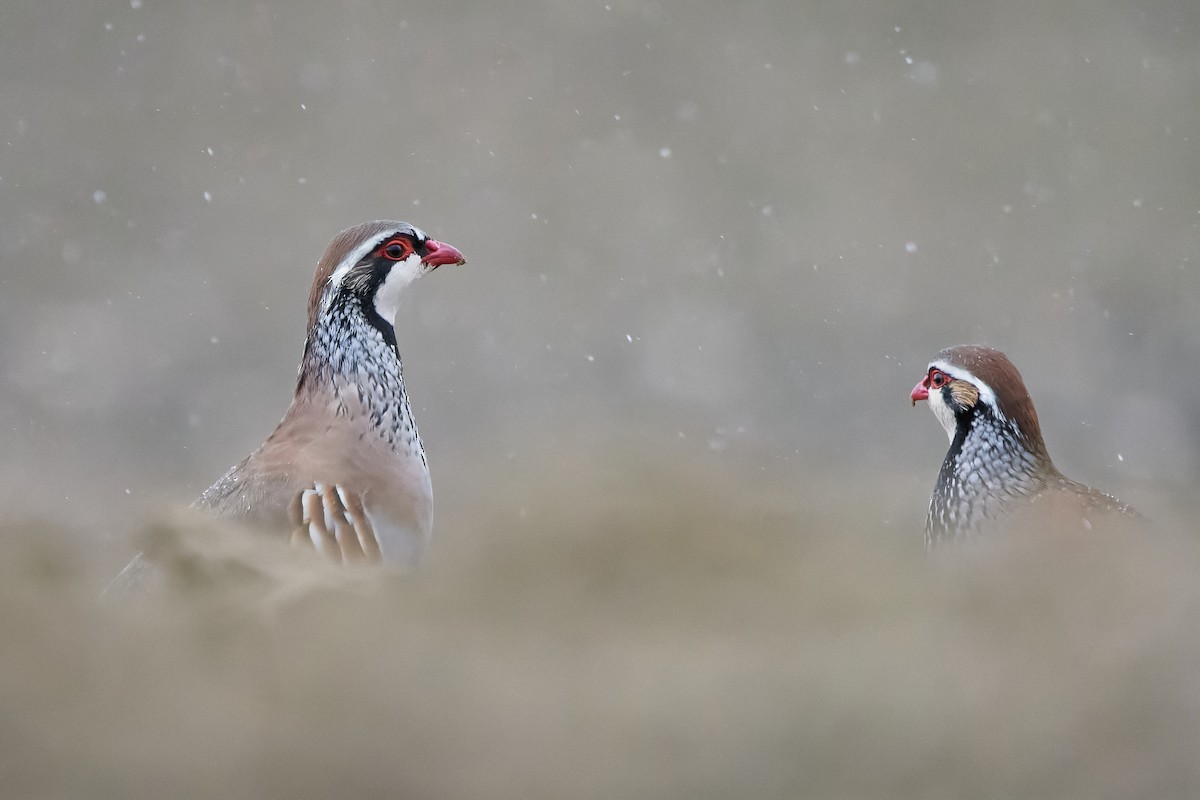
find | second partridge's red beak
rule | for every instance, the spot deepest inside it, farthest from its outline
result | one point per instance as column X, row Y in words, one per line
column 441, row 253
column 920, row 391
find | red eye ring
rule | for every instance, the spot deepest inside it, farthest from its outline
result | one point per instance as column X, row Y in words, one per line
column 396, row 250
column 937, row 379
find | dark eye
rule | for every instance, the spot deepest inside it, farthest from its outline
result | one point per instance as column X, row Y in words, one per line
column 397, row 250
column 938, row 379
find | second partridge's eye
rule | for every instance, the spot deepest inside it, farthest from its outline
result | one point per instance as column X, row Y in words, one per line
column 397, row 250
column 938, row 379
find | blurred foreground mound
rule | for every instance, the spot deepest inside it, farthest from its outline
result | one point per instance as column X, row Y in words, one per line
column 628, row 631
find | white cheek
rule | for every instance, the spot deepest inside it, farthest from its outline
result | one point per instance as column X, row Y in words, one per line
column 943, row 412
column 402, row 273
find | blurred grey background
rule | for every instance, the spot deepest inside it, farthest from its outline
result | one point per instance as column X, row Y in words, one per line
column 711, row 228
column 704, row 239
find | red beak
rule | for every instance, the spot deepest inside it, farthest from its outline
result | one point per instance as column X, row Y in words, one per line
column 920, row 391
column 440, row 253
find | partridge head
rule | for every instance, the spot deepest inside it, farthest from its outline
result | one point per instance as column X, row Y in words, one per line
column 345, row 469
column 997, row 472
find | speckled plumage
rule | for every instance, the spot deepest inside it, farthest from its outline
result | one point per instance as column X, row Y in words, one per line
column 350, row 424
column 997, row 466
column 345, row 468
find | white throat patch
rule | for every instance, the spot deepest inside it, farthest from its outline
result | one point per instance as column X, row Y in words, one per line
column 402, row 273
column 943, row 412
